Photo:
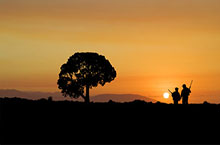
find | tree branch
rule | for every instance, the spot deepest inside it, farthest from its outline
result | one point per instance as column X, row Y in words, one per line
column 71, row 76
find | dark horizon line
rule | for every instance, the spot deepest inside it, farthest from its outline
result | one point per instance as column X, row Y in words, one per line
column 24, row 91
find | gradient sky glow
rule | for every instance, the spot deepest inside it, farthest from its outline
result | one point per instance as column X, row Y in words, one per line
column 154, row 45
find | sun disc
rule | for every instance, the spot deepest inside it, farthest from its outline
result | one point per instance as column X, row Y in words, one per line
column 166, row 95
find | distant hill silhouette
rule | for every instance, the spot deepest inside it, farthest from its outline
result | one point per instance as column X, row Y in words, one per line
column 30, row 95
column 121, row 98
column 58, row 96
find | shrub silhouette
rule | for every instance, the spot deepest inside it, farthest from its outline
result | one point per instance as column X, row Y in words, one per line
column 84, row 70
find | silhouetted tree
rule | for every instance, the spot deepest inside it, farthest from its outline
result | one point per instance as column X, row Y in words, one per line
column 84, row 71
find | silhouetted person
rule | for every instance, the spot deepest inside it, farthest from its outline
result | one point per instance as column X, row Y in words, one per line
column 176, row 96
column 185, row 94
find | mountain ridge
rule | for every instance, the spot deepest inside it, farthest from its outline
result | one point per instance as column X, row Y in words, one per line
column 35, row 95
column 121, row 98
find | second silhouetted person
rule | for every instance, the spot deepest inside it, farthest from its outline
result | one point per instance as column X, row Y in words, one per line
column 185, row 94
column 176, row 96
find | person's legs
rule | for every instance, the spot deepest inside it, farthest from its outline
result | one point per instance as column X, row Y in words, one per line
column 183, row 100
column 175, row 102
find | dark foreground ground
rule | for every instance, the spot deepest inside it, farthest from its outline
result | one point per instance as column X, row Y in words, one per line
column 24, row 121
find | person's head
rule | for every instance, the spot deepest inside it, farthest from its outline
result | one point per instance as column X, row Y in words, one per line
column 176, row 89
column 184, row 85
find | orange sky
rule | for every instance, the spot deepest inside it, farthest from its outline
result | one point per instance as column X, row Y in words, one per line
column 153, row 44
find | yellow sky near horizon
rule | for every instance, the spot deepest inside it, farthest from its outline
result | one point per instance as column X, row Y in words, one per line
column 154, row 45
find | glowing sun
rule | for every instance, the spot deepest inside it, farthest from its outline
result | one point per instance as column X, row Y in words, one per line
column 166, row 95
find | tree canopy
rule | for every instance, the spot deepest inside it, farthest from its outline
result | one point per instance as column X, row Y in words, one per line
column 84, row 71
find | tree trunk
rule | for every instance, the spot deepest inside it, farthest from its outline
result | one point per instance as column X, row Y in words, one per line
column 87, row 100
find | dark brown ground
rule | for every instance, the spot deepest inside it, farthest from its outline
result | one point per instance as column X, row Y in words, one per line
column 24, row 121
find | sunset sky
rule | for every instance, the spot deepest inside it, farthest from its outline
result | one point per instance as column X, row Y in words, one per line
column 154, row 45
